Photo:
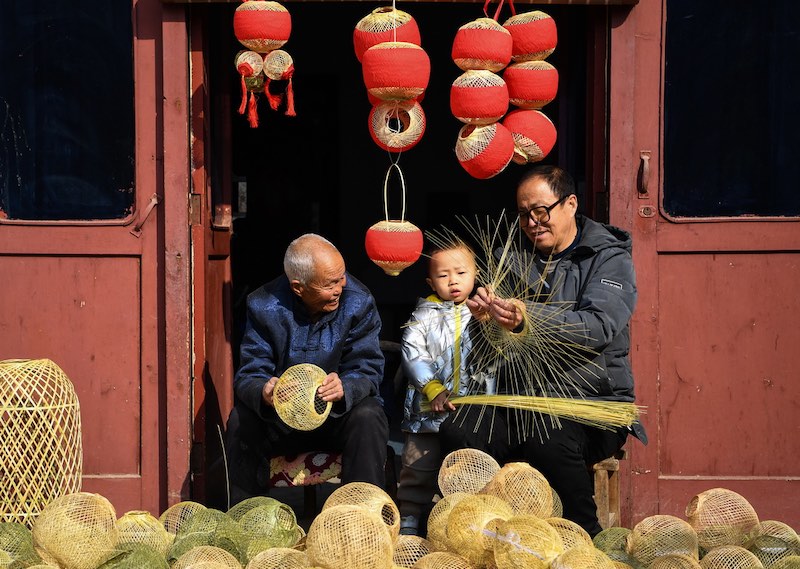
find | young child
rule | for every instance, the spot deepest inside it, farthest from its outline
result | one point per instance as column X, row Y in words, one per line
column 435, row 349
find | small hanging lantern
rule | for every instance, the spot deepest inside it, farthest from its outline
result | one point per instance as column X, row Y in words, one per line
column 531, row 84
column 382, row 25
column 262, row 25
column 534, row 135
column 279, row 66
column 396, row 70
column 249, row 64
column 478, row 97
column 397, row 126
column 254, row 85
column 394, row 244
column 534, row 34
column 482, row 44
column 484, row 151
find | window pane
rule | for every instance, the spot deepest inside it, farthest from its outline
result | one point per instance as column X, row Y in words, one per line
column 731, row 119
column 66, row 110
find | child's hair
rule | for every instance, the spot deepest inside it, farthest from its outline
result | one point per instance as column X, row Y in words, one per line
column 441, row 246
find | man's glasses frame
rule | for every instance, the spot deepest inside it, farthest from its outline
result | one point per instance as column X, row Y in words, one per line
column 539, row 213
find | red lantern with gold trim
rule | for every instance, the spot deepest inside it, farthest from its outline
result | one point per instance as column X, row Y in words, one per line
column 484, row 151
column 531, row 84
column 396, row 70
column 482, row 44
column 262, row 25
column 534, row 135
column 384, row 24
column 534, row 35
column 478, row 97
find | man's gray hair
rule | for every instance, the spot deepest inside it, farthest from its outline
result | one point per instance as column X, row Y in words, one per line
column 298, row 262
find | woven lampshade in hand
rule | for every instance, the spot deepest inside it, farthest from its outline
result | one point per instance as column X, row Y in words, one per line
column 296, row 400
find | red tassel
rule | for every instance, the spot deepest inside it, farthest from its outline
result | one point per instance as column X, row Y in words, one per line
column 290, row 100
column 274, row 100
column 243, row 106
column 252, row 111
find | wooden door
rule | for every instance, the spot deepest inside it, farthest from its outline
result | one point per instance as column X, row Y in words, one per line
column 717, row 253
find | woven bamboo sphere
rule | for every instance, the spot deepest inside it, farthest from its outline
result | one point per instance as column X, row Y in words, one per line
column 396, row 126
column 675, row 561
column 526, row 541
column 484, row 151
column 661, row 534
column 138, row 526
column 572, row 535
column 279, row 558
column 442, row 560
column 524, row 487
column 730, row 557
column 774, row 540
column 370, row 497
column 534, row 135
column 582, row 557
column 41, row 456
column 384, row 24
column 78, row 531
column 393, row 245
column 135, row 556
column 466, row 470
column 266, row 523
column 210, row 527
column 349, row 536
column 721, row 517
column 531, row 84
column 613, row 541
column 174, row 517
column 437, row 519
column 482, row 44
column 791, row 562
column 408, row 549
column 16, row 544
column 472, row 527
column 262, row 26
column 248, row 63
column 534, row 35
column 278, row 65
column 202, row 554
column 478, row 97
column 296, row 400
column 396, row 70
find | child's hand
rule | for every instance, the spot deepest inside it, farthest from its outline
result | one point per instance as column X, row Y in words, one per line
column 441, row 403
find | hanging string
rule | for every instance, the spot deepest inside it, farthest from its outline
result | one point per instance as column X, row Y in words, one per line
column 394, row 20
column 394, row 166
column 499, row 7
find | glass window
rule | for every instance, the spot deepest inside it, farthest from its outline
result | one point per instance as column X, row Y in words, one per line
column 66, row 110
column 732, row 76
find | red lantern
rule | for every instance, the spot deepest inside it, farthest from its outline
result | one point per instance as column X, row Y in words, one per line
column 393, row 245
column 531, row 84
column 484, row 151
column 534, row 135
column 482, row 44
column 262, row 26
column 534, row 34
column 396, row 70
column 397, row 126
column 249, row 64
column 478, row 97
column 382, row 25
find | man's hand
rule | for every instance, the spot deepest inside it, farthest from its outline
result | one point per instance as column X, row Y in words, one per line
column 480, row 303
column 442, row 403
column 508, row 313
column 331, row 388
column 267, row 391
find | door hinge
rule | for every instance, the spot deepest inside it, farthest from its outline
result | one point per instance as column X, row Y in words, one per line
column 195, row 209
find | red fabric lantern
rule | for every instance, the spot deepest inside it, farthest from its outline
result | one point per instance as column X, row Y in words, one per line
column 262, row 26
column 393, row 245
column 249, row 64
column 531, row 84
column 397, row 125
column 484, row 151
column 478, row 97
column 534, row 135
column 534, row 34
column 396, row 70
column 482, row 44
column 382, row 25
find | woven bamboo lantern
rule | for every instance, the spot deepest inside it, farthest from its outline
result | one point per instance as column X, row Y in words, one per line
column 370, row 497
column 659, row 535
column 534, row 35
column 41, row 455
column 279, row 66
column 296, row 400
column 484, row 151
column 534, row 135
column 721, row 517
column 526, row 541
column 262, row 25
column 524, row 487
column 396, row 126
column 531, row 84
column 482, row 44
column 138, row 526
column 384, row 24
column 248, row 64
column 396, row 70
column 478, row 97
column 472, row 527
column 349, row 536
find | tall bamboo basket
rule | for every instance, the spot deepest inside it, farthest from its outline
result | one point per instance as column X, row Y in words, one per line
column 41, row 457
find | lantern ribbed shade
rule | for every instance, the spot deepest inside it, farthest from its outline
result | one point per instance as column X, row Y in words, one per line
column 534, row 135
column 396, row 70
column 484, row 151
column 397, row 125
column 382, row 25
column 482, row 44
column 531, row 84
column 393, row 245
column 262, row 26
column 478, row 97
column 534, row 35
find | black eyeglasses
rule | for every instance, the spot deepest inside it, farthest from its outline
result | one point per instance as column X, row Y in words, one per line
column 539, row 213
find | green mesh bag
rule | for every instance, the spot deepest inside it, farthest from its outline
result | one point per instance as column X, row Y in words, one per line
column 17, row 542
column 266, row 523
column 212, row 528
column 136, row 556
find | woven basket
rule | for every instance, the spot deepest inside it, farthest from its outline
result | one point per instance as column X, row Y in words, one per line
column 296, row 400
column 41, row 456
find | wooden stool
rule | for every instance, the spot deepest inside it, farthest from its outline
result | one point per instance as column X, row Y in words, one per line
column 606, row 489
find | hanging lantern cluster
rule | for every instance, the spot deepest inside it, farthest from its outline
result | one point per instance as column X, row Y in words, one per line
column 263, row 27
column 480, row 98
column 396, row 71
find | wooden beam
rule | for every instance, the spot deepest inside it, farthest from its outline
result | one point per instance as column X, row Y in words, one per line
column 519, row 2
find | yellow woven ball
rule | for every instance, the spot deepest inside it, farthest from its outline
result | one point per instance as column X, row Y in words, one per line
column 437, row 519
column 142, row 527
column 466, row 470
column 524, row 487
column 472, row 527
column 370, row 497
column 526, row 541
column 661, row 534
column 721, row 517
column 349, row 536
column 296, row 400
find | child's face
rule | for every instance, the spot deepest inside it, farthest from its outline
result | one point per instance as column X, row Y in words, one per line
column 451, row 274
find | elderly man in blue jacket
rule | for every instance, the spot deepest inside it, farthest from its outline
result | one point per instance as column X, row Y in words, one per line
column 314, row 313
